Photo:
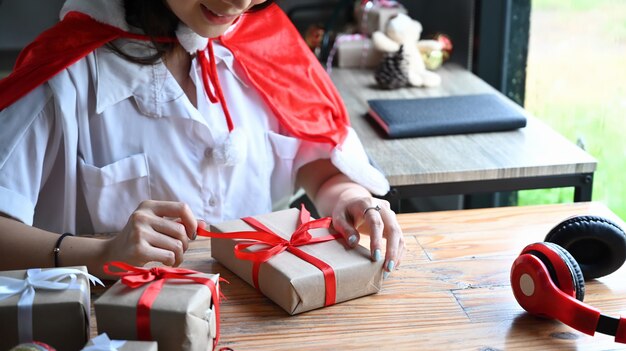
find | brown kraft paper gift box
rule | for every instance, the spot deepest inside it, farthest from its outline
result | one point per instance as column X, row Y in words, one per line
column 182, row 316
column 60, row 318
column 376, row 17
column 356, row 51
column 292, row 283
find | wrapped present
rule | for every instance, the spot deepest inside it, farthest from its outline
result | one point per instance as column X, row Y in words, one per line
column 176, row 307
column 103, row 343
column 374, row 15
column 294, row 260
column 51, row 306
column 355, row 50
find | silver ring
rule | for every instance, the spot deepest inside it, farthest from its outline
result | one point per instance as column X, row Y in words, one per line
column 376, row 208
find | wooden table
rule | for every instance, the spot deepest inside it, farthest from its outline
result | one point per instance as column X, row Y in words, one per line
column 451, row 292
column 529, row 158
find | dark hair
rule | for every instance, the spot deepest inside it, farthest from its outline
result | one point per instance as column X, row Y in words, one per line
column 156, row 20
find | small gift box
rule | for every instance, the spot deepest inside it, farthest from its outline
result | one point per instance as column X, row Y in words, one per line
column 374, row 15
column 294, row 260
column 48, row 305
column 356, row 50
column 103, row 343
column 176, row 307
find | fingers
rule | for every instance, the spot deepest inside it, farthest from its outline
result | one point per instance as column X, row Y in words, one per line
column 372, row 217
column 151, row 237
column 345, row 227
column 379, row 221
column 171, row 229
column 171, row 209
column 166, row 250
column 395, row 241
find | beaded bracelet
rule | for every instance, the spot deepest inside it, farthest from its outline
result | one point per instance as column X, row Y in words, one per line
column 57, row 248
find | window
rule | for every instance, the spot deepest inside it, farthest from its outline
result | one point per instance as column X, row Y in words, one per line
column 576, row 82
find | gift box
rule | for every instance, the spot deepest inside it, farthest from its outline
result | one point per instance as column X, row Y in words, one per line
column 299, row 265
column 178, row 308
column 47, row 305
column 103, row 343
column 374, row 15
column 356, row 51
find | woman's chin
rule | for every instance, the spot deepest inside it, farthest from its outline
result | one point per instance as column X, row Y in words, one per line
column 212, row 32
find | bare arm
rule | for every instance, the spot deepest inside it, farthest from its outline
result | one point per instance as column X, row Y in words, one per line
column 23, row 246
column 150, row 235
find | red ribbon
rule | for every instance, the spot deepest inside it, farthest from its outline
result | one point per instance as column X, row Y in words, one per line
column 275, row 244
column 135, row 277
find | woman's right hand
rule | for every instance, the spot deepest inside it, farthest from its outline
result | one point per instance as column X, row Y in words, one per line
column 157, row 231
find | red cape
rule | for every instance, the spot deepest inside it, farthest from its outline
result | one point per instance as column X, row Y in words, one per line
column 275, row 58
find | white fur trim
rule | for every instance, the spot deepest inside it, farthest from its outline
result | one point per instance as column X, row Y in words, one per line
column 232, row 150
column 189, row 40
column 104, row 11
column 350, row 158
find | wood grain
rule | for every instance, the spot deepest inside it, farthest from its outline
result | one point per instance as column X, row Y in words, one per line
column 452, row 292
column 535, row 150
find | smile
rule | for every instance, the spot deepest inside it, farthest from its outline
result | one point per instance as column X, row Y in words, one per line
column 217, row 18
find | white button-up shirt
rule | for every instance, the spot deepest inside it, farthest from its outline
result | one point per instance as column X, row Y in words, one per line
column 80, row 152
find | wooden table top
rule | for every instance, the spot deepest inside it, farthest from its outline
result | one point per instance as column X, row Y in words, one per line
column 536, row 150
column 451, row 292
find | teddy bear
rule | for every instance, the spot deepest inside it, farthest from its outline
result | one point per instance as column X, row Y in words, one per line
column 403, row 64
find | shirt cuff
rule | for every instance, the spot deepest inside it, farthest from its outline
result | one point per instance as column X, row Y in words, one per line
column 16, row 206
column 350, row 158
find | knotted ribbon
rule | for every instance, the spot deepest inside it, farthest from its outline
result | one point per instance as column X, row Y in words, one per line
column 36, row 278
column 103, row 343
column 156, row 277
column 275, row 244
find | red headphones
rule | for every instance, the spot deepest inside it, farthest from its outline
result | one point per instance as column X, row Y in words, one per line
column 548, row 278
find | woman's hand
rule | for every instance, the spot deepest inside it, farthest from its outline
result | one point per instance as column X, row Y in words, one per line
column 157, row 231
column 367, row 215
column 354, row 210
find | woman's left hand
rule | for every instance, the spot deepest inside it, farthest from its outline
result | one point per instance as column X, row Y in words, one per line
column 374, row 217
column 353, row 209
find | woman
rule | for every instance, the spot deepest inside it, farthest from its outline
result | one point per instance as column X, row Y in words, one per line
column 125, row 118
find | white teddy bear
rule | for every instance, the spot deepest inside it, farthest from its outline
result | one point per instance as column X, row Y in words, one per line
column 403, row 64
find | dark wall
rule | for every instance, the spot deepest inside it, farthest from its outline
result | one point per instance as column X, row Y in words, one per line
column 20, row 22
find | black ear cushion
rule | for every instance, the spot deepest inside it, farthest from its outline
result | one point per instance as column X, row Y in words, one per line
column 577, row 274
column 596, row 243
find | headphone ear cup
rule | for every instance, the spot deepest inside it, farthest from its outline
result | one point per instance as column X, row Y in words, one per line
column 595, row 243
column 563, row 270
column 578, row 279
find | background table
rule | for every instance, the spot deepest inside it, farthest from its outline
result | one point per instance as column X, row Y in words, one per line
column 529, row 158
column 451, row 293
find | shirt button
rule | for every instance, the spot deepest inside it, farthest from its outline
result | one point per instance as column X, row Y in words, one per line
column 212, row 202
column 208, row 152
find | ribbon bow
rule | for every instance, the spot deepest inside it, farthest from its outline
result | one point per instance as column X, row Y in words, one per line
column 103, row 343
column 36, row 278
column 275, row 244
column 135, row 277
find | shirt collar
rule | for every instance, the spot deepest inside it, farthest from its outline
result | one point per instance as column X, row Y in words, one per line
column 154, row 90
